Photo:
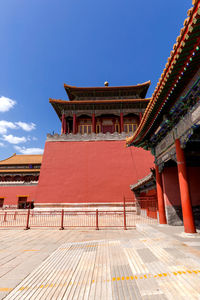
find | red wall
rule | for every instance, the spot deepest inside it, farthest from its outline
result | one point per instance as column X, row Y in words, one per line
column 171, row 185
column 11, row 193
column 95, row 171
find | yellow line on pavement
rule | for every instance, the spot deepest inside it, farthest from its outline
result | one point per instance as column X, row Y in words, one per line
column 114, row 279
column 123, row 278
column 6, row 289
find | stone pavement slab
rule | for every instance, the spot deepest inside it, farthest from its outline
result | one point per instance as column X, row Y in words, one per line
column 146, row 263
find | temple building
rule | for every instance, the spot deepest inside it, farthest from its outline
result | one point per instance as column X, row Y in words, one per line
column 101, row 109
column 19, row 175
column 170, row 129
column 88, row 162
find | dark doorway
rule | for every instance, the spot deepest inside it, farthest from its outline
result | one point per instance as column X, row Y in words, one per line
column 1, row 202
column 22, row 202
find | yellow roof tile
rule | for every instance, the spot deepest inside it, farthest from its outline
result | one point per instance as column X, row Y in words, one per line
column 16, row 159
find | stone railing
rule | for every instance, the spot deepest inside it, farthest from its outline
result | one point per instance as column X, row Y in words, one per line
column 16, row 183
column 88, row 137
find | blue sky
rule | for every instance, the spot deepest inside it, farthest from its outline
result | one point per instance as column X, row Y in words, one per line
column 46, row 43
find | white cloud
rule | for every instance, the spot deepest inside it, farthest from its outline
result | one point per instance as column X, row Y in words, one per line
column 5, row 125
column 26, row 126
column 14, row 139
column 2, row 145
column 24, row 150
column 6, row 104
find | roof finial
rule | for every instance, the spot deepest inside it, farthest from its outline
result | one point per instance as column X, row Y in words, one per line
column 106, row 83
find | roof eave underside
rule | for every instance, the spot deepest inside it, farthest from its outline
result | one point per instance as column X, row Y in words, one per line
column 174, row 76
column 56, row 103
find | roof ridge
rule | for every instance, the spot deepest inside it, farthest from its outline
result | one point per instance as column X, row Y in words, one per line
column 96, row 87
column 8, row 157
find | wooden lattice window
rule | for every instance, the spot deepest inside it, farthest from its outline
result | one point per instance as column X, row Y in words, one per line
column 85, row 129
column 130, row 127
column 98, row 128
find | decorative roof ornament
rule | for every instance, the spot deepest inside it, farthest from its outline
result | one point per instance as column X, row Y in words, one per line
column 106, row 83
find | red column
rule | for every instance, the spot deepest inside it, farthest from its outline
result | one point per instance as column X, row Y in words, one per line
column 140, row 116
column 93, row 123
column 161, row 204
column 74, row 123
column 65, row 126
column 188, row 219
column 63, row 121
column 121, row 122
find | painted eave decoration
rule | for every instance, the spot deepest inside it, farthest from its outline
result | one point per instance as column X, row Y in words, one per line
column 181, row 65
column 62, row 105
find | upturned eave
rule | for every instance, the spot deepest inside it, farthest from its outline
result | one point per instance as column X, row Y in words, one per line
column 183, row 62
column 73, row 92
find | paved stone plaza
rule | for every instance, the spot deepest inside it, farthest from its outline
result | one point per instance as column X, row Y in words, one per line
column 149, row 262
